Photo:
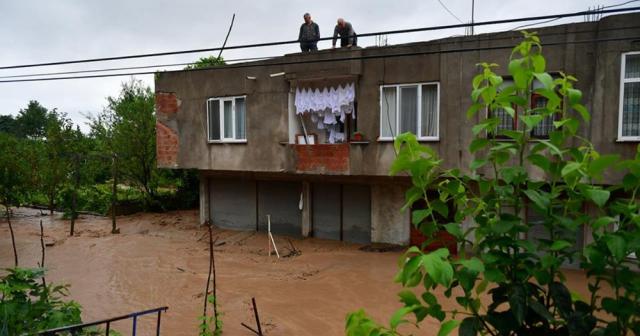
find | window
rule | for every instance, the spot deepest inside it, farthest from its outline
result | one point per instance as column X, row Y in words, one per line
column 629, row 110
column 226, row 118
column 409, row 108
column 507, row 123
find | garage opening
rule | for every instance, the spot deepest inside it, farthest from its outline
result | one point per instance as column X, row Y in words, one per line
column 342, row 212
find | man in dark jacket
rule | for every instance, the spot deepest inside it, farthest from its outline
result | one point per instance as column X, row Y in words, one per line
column 309, row 34
column 348, row 36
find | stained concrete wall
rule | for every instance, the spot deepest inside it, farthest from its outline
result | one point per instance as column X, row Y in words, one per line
column 388, row 223
column 596, row 64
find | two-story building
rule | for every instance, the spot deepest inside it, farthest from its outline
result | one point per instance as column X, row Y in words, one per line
column 308, row 138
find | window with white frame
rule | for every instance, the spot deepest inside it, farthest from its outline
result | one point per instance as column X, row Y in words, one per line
column 629, row 109
column 226, row 118
column 410, row 108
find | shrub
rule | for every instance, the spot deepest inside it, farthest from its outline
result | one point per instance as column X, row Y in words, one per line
column 526, row 288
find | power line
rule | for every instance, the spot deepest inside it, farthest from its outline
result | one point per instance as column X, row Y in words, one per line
column 597, row 11
column 450, row 12
column 339, row 59
column 229, row 61
column 266, row 44
column 129, row 68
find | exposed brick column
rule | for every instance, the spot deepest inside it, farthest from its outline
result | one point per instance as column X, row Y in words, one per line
column 166, row 103
column 166, row 146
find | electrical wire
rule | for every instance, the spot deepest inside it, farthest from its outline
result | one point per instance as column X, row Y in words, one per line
column 231, row 61
column 337, row 59
column 450, row 12
column 597, row 11
column 266, row 44
column 130, row 68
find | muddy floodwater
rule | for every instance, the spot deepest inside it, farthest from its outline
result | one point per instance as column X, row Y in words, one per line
column 162, row 260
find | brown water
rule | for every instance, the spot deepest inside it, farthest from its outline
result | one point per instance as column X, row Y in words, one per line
column 162, row 259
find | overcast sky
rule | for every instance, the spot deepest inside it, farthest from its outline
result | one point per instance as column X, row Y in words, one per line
column 35, row 31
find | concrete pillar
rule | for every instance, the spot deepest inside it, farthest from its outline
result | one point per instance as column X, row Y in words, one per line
column 204, row 199
column 388, row 223
column 306, row 208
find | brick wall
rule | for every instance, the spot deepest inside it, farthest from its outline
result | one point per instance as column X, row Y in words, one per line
column 166, row 146
column 322, row 158
column 166, row 103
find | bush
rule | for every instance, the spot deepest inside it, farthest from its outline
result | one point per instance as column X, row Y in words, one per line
column 26, row 306
column 523, row 279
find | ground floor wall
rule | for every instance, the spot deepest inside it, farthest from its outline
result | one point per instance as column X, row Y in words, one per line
column 348, row 209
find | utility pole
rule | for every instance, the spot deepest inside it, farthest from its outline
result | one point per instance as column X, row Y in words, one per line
column 473, row 9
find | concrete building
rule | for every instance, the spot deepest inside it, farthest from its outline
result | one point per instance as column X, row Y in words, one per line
column 239, row 126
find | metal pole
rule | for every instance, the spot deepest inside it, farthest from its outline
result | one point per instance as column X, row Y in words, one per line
column 158, row 323
column 473, row 10
column 255, row 312
column 135, row 322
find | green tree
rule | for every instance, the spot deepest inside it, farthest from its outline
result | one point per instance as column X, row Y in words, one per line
column 55, row 158
column 8, row 124
column 12, row 180
column 526, row 287
column 127, row 129
column 32, row 121
column 206, row 62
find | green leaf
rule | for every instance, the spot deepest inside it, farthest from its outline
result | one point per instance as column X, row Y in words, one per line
column 583, row 111
column 574, row 96
column 447, row 327
column 474, row 264
column 537, row 198
column 598, row 196
column 545, row 79
column 561, row 297
column 597, row 166
column 438, row 268
column 477, row 163
column 417, row 216
column 560, row 245
column 469, row 326
column 478, row 144
column 531, row 120
column 570, row 167
column 540, row 161
column 617, row 246
column 454, row 229
column 539, row 63
column 601, row 222
column 398, row 317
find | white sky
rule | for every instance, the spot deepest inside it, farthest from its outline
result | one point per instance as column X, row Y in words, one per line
column 36, row 31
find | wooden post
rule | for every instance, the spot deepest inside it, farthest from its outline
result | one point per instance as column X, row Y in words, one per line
column 74, row 197
column 114, row 193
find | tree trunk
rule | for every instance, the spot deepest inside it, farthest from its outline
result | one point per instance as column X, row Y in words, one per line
column 74, row 197
column 13, row 238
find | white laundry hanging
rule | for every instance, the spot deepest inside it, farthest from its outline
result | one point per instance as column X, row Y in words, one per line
column 326, row 105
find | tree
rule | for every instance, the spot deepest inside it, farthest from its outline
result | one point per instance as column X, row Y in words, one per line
column 32, row 121
column 55, row 160
column 526, row 288
column 12, row 180
column 127, row 129
column 206, row 62
column 8, row 124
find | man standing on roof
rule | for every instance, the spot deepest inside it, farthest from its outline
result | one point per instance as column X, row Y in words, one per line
column 348, row 36
column 309, row 34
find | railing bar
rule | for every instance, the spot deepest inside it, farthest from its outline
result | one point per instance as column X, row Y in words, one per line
column 108, row 328
column 100, row 322
column 135, row 320
column 158, row 324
